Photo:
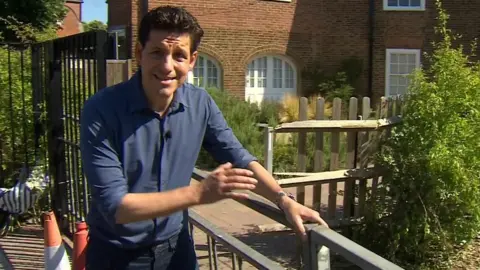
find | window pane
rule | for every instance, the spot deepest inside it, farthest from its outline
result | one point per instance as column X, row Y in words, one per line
column 411, row 58
column 289, row 78
column 261, row 68
column 277, row 73
column 403, row 58
column 401, row 90
column 414, row 3
column 212, row 74
column 404, row 3
column 251, row 74
column 198, row 71
column 392, row 3
column 394, row 68
column 393, row 80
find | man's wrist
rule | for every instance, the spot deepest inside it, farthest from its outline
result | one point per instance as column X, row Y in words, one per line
column 282, row 198
column 195, row 193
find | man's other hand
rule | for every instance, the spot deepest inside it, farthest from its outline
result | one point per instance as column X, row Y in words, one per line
column 222, row 182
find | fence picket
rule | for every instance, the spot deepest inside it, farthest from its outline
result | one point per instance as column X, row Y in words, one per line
column 334, row 161
column 318, row 165
column 302, row 146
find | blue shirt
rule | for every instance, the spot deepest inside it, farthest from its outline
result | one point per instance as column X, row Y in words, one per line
column 127, row 148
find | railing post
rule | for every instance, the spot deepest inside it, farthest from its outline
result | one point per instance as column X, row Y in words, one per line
column 268, row 151
column 315, row 257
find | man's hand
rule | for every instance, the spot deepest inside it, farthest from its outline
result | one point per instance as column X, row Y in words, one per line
column 221, row 183
column 297, row 214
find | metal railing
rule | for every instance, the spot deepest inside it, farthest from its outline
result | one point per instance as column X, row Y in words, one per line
column 238, row 250
column 318, row 237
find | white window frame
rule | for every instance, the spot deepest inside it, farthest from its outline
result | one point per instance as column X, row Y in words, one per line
column 270, row 75
column 397, row 8
column 389, row 52
column 216, row 63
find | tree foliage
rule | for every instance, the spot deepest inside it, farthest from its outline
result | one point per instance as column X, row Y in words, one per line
column 16, row 102
column 93, row 26
column 41, row 15
column 431, row 163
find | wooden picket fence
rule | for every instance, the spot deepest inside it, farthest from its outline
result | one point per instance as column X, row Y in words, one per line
column 340, row 191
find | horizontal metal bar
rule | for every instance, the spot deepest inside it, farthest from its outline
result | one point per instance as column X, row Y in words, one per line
column 233, row 244
column 352, row 251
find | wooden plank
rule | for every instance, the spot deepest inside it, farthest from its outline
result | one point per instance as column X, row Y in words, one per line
column 335, row 149
column 302, row 147
column 318, row 154
column 362, row 185
column 337, row 125
column 348, row 196
column 329, row 177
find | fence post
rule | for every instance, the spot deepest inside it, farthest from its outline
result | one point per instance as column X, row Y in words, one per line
column 56, row 147
column 315, row 256
column 268, row 151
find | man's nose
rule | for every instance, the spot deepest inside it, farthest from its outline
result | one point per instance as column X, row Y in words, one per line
column 167, row 63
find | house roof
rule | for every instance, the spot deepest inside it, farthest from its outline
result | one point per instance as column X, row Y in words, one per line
column 75, row 1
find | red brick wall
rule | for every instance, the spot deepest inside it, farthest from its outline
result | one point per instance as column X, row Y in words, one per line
column 72, row 23
column 415, row 30
column 309, row 31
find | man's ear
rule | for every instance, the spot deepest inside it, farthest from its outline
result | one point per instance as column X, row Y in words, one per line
column 138, row 52
column 193, row 60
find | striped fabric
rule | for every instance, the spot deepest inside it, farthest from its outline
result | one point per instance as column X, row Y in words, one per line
column 18, row 199
column 25, row 193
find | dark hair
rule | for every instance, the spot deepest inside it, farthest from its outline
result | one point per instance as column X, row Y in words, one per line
column 171, row 19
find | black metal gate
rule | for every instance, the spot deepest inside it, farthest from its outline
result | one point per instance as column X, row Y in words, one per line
column 65, row 72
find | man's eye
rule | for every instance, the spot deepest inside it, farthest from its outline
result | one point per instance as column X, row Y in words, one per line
column 180, row 56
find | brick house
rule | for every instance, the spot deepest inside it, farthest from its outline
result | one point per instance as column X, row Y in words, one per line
column 260, row 48
column 72, row 23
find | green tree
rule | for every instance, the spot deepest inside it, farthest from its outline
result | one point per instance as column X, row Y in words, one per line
column 431, row 164
column 94, row 25
column 42, row 15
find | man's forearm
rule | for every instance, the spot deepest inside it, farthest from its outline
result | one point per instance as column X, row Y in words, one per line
column 267, row 185
column 143, row 206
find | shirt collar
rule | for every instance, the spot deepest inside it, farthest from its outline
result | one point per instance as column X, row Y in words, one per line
column 138, row 99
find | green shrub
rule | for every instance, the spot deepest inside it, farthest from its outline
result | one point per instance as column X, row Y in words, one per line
column 243, row 118
column 432, row 165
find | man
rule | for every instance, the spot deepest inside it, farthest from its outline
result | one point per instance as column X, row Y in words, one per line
column 140, row 141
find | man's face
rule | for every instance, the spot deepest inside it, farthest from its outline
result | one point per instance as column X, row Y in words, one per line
column 165, row 62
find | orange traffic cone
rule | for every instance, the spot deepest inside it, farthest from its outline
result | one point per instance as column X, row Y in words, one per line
column 56, row 257
column 80, row 246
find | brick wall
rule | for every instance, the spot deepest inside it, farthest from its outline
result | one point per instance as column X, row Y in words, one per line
column 309, row 31
column 415, row 30
column 72, row 23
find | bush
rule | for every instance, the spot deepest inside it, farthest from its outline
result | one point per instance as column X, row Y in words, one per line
column 432, row 165
column 243, row 118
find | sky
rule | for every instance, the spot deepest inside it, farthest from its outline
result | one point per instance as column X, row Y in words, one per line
column 94, row 10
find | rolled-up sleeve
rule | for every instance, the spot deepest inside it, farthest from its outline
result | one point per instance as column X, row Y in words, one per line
column 101, row 163
column 220, row 141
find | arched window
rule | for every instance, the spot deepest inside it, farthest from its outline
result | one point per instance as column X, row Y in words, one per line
column 270, row 78
column 206, row 73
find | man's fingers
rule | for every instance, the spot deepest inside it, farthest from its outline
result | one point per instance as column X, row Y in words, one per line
column 241, row 179
column 317, row 219
column 238, row 186
column 238, row 171
column 299, row 228
column 224, row 166
column 235, row 195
